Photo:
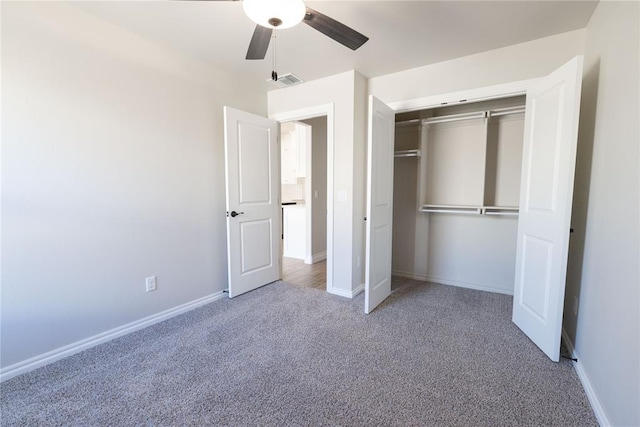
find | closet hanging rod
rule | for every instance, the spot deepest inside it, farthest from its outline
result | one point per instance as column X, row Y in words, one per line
column 506, row 111
column 455, row 117
column 467, row 116
column 407, row 153
column 407, row 122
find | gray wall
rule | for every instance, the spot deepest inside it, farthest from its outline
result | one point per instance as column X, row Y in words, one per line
column 604, row 255
column 319, row 184
column 112, row 171
column 338, row 91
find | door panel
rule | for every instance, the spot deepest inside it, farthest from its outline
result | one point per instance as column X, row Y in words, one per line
column 255, row 165
column 551, row 129
column 253, row 207
column 379, row 203
column 255, row 238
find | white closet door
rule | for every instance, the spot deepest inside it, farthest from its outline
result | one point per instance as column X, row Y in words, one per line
column 551, row 130
column 253, row 206
column 379, row 204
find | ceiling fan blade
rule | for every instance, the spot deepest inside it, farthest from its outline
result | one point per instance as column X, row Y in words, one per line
column 334, row 29
column 259, row 43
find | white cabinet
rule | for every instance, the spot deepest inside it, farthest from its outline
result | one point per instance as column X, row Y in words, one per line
column 301, row 151
column 294, row 231
column 289, row 158
column 294, row 153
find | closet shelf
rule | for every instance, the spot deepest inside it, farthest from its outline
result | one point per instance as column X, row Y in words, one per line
column 455, row 117
column 471, row 210
column 407, row 153
column 409, row 122
column 500, row 210
column 506, row 111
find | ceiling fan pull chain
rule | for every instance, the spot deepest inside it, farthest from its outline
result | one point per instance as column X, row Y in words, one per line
column 274, row 74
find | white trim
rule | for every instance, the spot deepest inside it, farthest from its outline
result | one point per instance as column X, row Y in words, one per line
column 308, row 197
column 357, row 290
column 568, row 343
column 320, row 256
column 598, row 410
column 309, row 113
column 504, row 90
column 447, row 282
column 340, row 292
column 347, row 294
column 469, row 285
column 78, row 346
column 407, row 275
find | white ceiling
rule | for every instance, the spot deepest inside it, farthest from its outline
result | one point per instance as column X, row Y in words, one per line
column 403, row 34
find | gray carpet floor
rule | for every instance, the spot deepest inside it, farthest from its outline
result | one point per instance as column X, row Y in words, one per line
column 430, row 355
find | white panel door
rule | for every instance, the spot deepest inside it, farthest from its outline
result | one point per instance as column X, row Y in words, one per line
column 551, row 131
column 379, row 204
column 253, row 206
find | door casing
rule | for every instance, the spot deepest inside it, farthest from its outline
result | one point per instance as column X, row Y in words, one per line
column 309, row 113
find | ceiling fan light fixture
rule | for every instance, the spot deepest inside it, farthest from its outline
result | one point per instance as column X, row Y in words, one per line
column 275, row 13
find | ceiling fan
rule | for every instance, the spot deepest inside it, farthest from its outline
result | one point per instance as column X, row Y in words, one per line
column 272, row 14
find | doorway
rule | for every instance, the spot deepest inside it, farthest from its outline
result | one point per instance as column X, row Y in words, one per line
column 304, row 196
column 544, row 210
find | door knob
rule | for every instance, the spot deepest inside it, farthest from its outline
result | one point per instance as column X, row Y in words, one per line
column 235, row 214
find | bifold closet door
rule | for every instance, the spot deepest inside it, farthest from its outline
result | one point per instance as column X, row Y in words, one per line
column 549, row 152
column 379, row 204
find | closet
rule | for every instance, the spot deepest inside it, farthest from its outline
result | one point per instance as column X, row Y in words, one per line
column 481, row 197
column 456, row 193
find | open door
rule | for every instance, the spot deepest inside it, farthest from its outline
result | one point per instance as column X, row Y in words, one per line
column 253, row 206
column 546, row 193
column 379, row 204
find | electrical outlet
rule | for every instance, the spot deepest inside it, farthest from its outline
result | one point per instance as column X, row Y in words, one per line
column 575, row 306
column 151, row 283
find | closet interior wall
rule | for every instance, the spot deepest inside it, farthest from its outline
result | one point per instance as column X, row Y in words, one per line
column 456, row 194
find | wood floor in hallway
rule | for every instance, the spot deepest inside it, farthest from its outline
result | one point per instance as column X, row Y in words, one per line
column 296, row 272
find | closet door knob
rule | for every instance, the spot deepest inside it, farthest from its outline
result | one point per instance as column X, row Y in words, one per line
column 235, row 214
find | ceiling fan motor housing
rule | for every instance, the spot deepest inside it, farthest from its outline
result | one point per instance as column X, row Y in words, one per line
column 275, row 13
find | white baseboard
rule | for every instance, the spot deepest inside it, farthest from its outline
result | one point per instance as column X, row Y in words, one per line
column 408, row 275
column 345, row 293
column 320, row 256
column 568, row 343
column 78, row 346
column 441, row 281
column 598, row 410
column 359, row 289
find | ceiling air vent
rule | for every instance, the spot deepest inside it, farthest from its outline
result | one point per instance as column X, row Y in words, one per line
column 287, row 80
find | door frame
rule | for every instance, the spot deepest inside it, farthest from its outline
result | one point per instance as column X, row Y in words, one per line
column 505, row 90
column 310, row 113
column 485, row 93
column 516, row 88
